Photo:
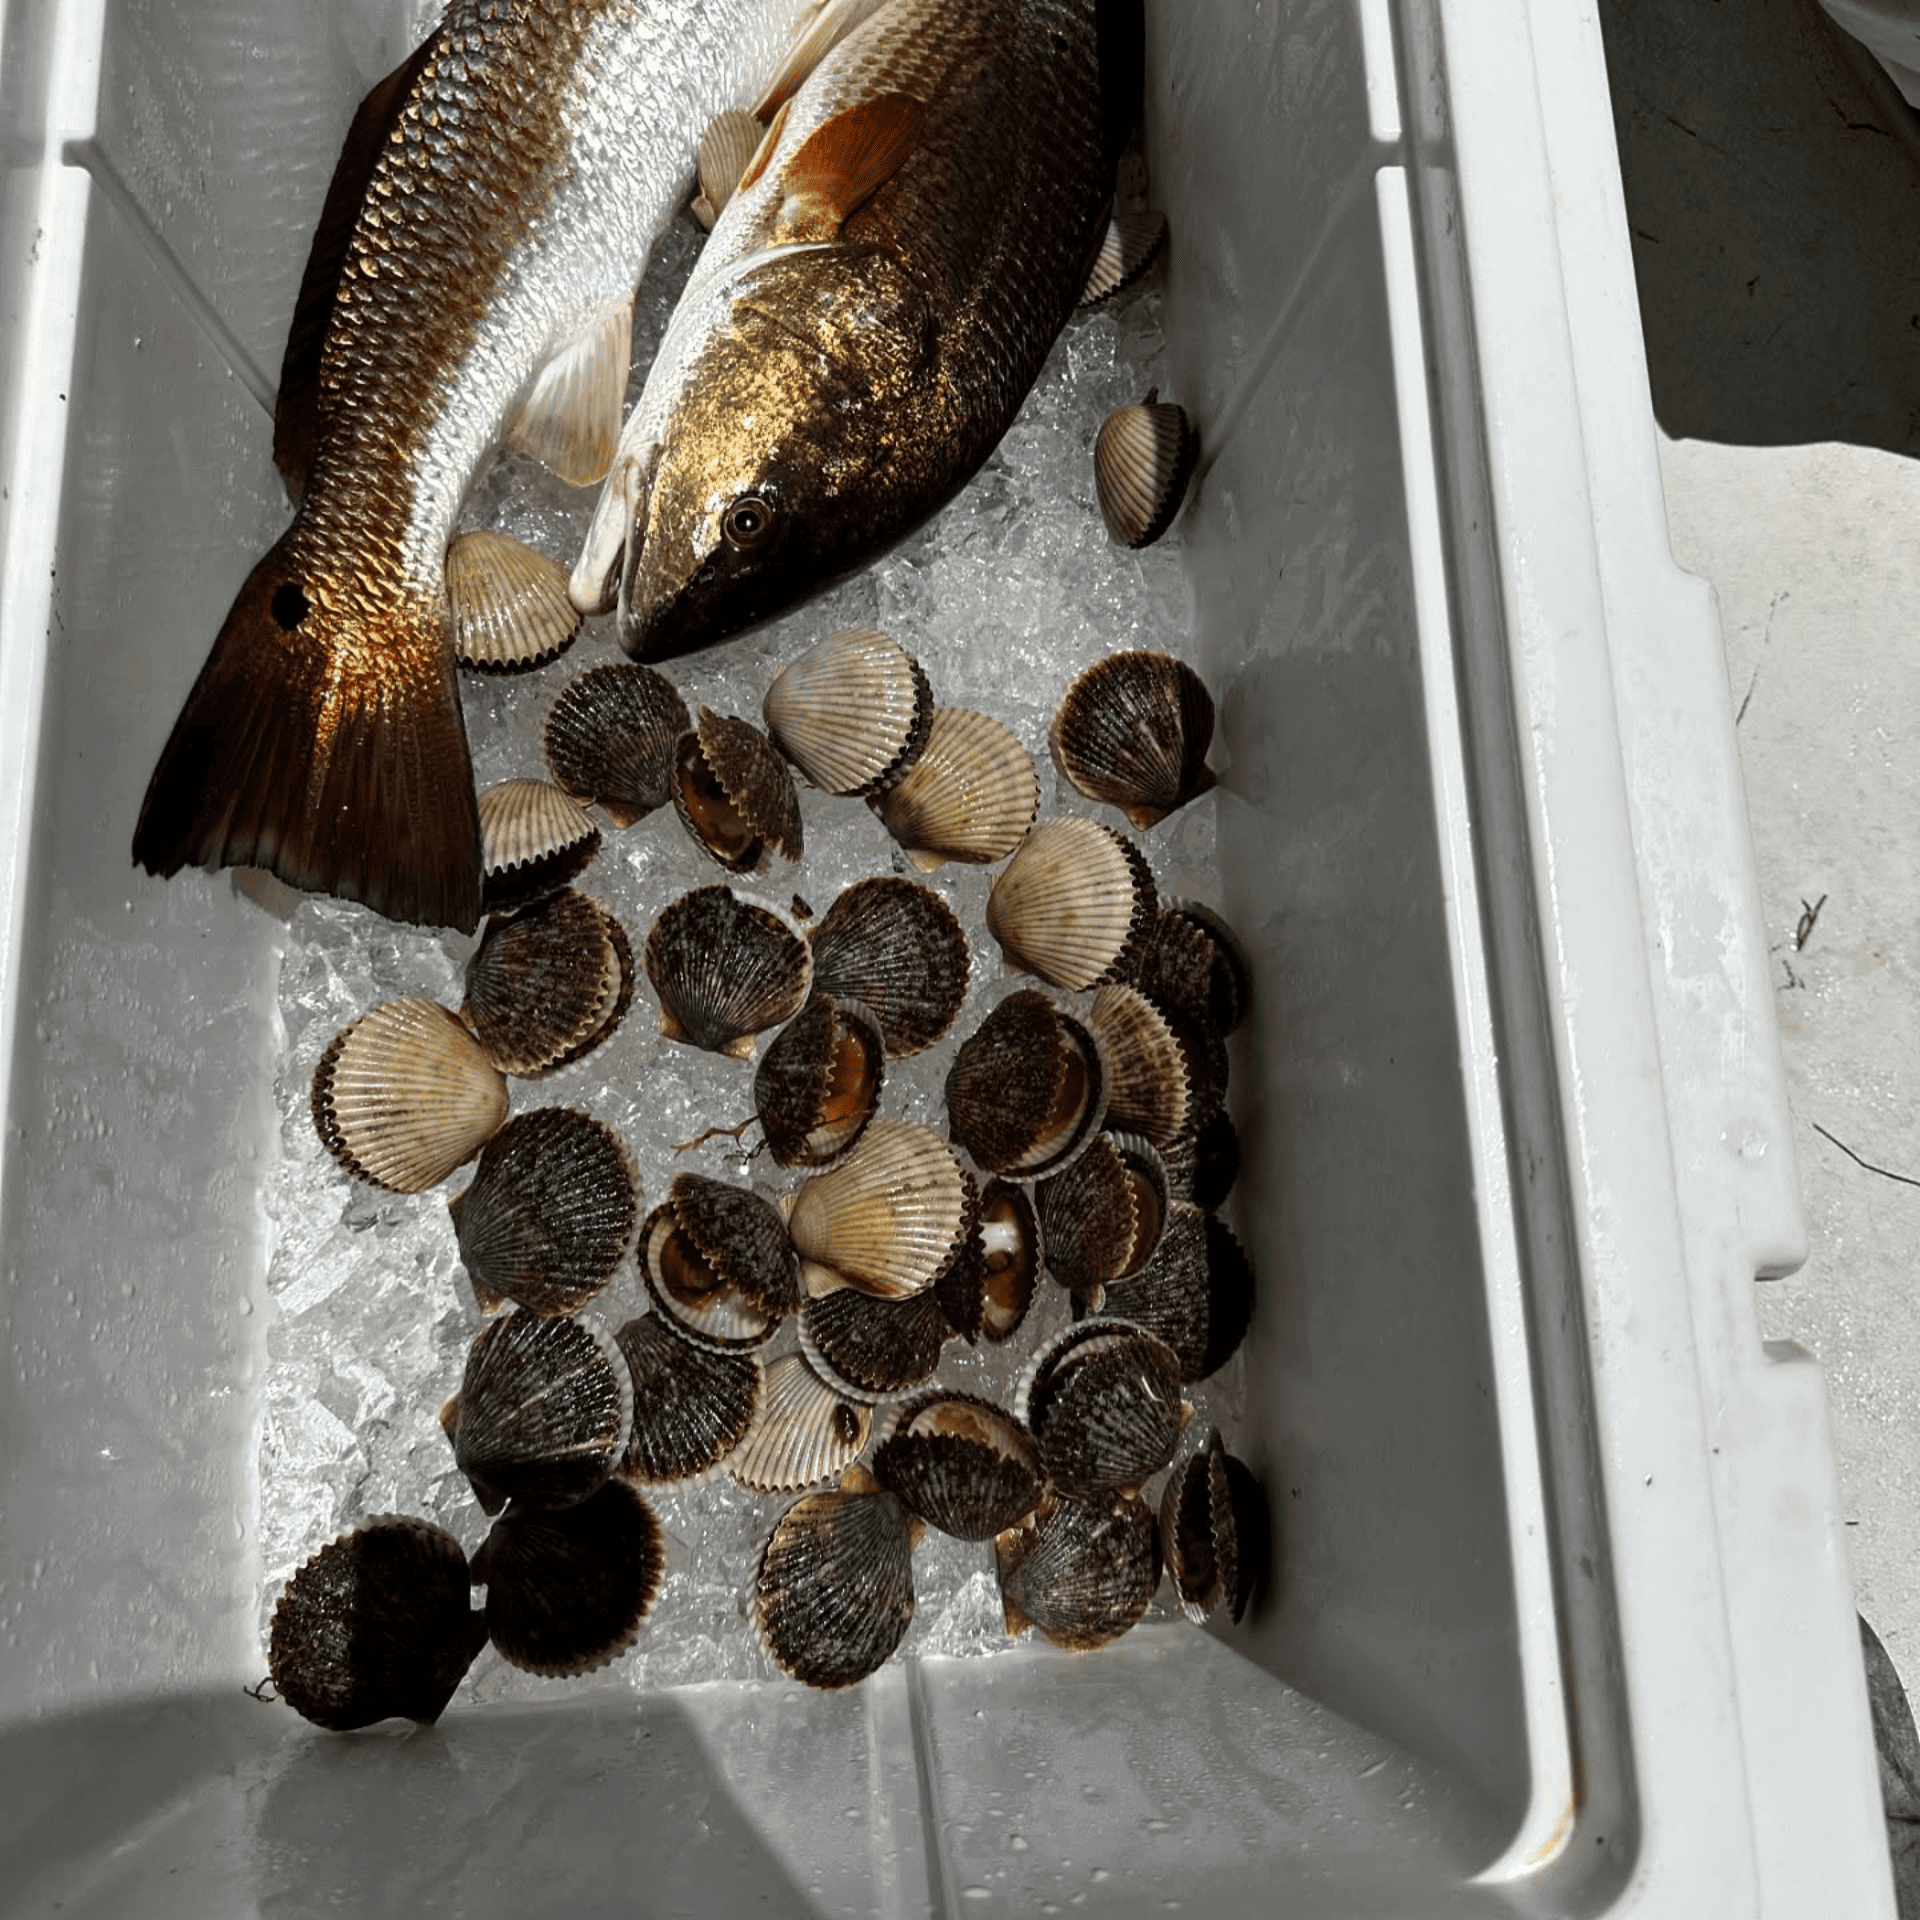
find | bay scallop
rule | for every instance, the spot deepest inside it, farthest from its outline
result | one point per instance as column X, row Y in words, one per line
column 1192, row 964
column 1203, row 1162
column 1147, row 1065
column 1073, row 904
column 734, row 795
column 692, row 1405
column 1080, row 1571
column 1143, row 457
column 612, row 738
column 986, row 1294
column 899, row 949
column 1101, row 1216
column 405, row 1094
column 969, row 796
column 378, row 1624
column 804, row 1431
column 872, row 1349
column 1027, row 1088
column 852, row 713
column 534, row 840
column 550, row 1212
column 1102, row 1400
column 960, row 1463
column 1127, row 249
column 888, row 1217
column 731, row 140
column 547, row 986
column 567, row 1592
column 1196, row 1292
column 511, row 609
column 543, row 1412
column 726, row 968
column 717, row 1260
column 819, row 1082
column 1132, row 731
column 1215, row 1533
column 833, row 1593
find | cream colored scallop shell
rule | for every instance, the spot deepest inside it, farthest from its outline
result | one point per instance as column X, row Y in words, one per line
column 803, row 1433
column 852, row 712
column 511, row 610
column 970, row 796
column 1073, row 903
column 534, row 839
column 1143, row 458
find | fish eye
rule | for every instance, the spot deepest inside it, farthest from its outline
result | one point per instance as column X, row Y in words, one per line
column 748, row 522
column 290, row 605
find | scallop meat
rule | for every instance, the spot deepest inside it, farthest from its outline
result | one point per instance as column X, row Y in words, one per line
column 717, row 1261
column 734, row 795
column 986, row 1293
column 819, row 1081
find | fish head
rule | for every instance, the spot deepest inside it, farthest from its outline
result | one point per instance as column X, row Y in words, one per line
column 788, row 456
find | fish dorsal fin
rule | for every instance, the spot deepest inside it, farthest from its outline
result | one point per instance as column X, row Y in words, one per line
column 813, row 42
column 296, row 412
column 844, row 163
column 570, row 419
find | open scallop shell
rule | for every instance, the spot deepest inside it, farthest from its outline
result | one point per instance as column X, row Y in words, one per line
column 804, row 1432
column 1143, row 457
column 1132, row 731
column 612, row 736
column 1196, row 1292
column 1073, row 904
column 548, row 985
column 1131, row 243
column 852, row 713
column 986, row 1293
column 550, row 1212
column 897, row 948
column 819, row 1082
column 511, row 607
column 1081, row 1571
column 1103, row 1402
column 730, row 141
column 961, row 1464
column 379, row 1623
column 1027, row 1088
column 534, row 840
column 726, row 968
column 969, row 796
column 691, row 1405
column 873, row 1349
column 406, row 1094
column 1101, row 1217
column 734, row 795
column 717, row 1261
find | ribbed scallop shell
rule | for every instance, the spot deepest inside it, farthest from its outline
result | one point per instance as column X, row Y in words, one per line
column 1073, row 904
column 534, row 840
column 1133, row 731
column 733, row 793
column 726, row 968
column 1102, row 1216
column 378, row 1623
column 686, row 1291
column 612, row 736
column 960, row 1463
column 406, row 1094
column 1131, row 243
column 1147, row 1087
column 1143, row 457
column 1196, row 1292
column 986, row 1293
column 852, row 713
column 819, row 1082
column 889, row 1216
column 1027, row 1088
column 550, row 1212
column 549, row 985
column 969, row 796
column 872, row 1349
column 1103, row 1402
column 833, row 1596
column 897, row 948
column 691, row 1405
column 1192, row 964
column 1204, row 1162
column 742, row 1237
column 803, row 1433
column 543, row 1412
column 567, row 1592
column 512, row 612
column 1081, row 1571
column 730, row 141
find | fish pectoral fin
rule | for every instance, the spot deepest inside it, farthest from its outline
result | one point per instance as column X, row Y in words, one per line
column 844, row 163
column 570, row 419
column 595, row 583
column 510, row 604
column 815, row 39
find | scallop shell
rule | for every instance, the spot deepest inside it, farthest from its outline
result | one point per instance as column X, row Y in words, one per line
column 718, row 1263
column 378, row 1623
column 1196, row 1292
column 1027, row 1088
column 1129, row 248
column 567, row 1592
column 1215, row 1533
column 1073, row 904
column 513, row 609
column 1147, row 1065
column 1101, row 1217
column 897, row 948
column 1204, row 1049
column 543, row 1412
column 887, row 1218
column 1191, row 964
column 833, row 1596
column 986, row 1294
column 1204, row 1162
column 730, row 141
column 691, row 1405
column 550, row 1212
column 1133, row 731
column 1081, row 1571
column 969, row 796
column 1143, row 457
column 1103, row 1402
column 804, row 1432
column 545, row 987
column 733, row 793
column 852, row 713
column 405, row 1094
column 726, row 968
column 961, row 1464
column 818, row 1083
column 534, row 840
column 872, row 1349
column 612, row 736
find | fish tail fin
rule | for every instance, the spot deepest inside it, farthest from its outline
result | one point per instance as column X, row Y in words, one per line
column 333, row 757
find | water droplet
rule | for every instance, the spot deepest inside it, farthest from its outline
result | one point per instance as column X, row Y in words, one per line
column 1017, row 1843
column 975, row 1893
column 1159, row 1826
column 1099, row 1874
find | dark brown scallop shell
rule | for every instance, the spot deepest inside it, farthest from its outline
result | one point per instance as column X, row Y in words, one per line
column 987, row 1292
column 819, row 1082
column 1103, row 1402
column 852, row 713
column 550, row 1212
column 691, row 1405
column 1073, row 904
column 1196, row 1292
column 734, row 795
column 961, row 1464
column 612, row 736
column 726, row 968
column 1101, row 1216
column 1132, row 731
column 379, row 1623
column 543, row 1412
column 545, row 987
column 1027, row 1088
column 1203, row 1162
column 1143, row 457
column 718, row 1262
column 534, row 840
column 1081, row 1571
column 873, row 1349
column 1192, row 964
column 567, row 1592
column 1215, row 1533
column 896, row 947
